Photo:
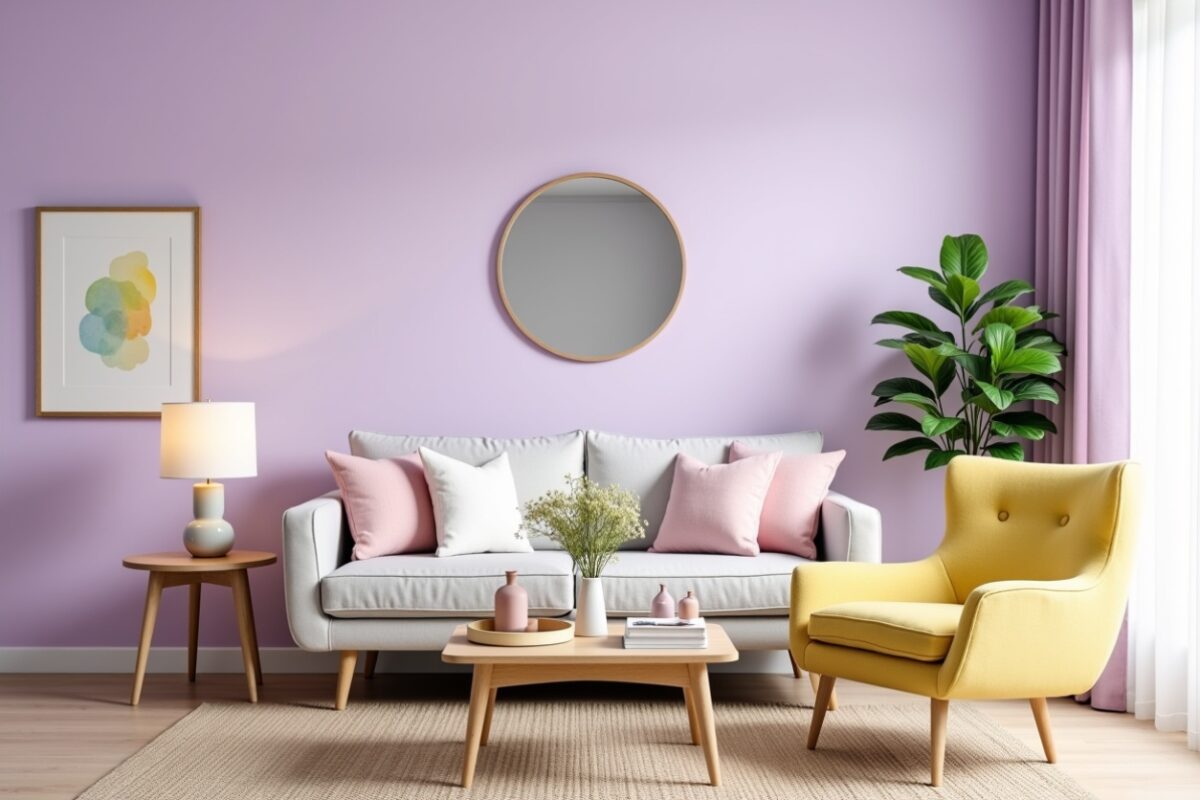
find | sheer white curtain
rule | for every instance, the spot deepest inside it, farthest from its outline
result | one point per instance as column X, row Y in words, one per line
column 1164, row 615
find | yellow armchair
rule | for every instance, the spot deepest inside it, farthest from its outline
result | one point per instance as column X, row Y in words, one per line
column 1023, row 598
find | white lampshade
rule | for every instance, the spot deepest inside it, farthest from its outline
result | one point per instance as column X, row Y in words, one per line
column 208, row 440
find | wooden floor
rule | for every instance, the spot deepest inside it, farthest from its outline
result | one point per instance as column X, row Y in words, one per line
column 59, row 733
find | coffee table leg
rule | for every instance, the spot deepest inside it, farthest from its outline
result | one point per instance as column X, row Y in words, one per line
column 153, row 595
column 480, row 690
column 698, row 675
column 693, row 723
column 487, row 718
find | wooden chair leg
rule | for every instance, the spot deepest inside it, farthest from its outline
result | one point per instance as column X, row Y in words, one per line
column 815, row 679
column 824, row 692
column 795, row 666
column 1041, row 715
column 369, row 664
column 345, row 677
column 939, row 710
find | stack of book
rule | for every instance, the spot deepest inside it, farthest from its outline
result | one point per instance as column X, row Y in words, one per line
column 651, row 633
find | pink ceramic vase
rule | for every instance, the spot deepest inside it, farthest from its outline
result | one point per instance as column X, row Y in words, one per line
column 512, row 605
column 689, row 607
column 663, row 606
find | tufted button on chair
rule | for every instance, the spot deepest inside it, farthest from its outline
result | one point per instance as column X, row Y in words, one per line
column 1015, row 603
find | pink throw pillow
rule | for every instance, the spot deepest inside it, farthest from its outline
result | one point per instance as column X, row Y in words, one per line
column 793, row 506
column 387, row 501
column 715, row 509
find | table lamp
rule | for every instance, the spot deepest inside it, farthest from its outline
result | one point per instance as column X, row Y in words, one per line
column 208, row 440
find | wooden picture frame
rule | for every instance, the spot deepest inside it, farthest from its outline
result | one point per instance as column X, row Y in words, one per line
column 117, row 310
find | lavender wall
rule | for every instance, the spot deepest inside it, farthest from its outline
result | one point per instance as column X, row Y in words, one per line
column 355, row 163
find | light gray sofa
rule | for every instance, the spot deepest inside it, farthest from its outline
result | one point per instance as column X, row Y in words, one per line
column 413, row 602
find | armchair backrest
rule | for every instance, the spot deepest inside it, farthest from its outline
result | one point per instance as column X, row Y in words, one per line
column 1009, row 520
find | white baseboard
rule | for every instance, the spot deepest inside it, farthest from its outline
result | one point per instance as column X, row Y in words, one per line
column 274, row 660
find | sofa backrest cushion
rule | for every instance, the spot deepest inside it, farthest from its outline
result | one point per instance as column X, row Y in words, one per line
column 645, row 466
column 539, row 463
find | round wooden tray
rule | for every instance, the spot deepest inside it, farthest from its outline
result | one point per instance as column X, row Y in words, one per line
column 549, row 631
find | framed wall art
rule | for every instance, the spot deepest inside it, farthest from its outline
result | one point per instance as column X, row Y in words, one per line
column 118, row 310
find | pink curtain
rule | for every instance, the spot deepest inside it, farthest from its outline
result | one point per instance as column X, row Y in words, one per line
column 1082, row 239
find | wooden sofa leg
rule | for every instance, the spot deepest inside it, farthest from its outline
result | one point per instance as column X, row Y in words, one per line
column 345, row 677
column 795, row 666
column 824, row 692
column 815, row 679
column 1041, row 715
column 939, row 710
column 369, row 664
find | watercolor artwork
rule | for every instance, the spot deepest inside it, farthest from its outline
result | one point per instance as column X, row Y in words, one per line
column 118, row 310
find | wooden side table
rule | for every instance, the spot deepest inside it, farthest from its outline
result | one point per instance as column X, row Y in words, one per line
column 183, row 569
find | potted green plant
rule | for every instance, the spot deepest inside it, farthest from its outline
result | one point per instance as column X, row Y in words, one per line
column 590, row 522
column 977, row 379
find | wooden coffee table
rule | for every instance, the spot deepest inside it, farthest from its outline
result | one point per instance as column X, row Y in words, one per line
column 590, row 659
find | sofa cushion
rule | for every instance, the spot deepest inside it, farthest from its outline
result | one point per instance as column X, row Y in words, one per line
column 724, row 585
column 644, row 466
column 539, row 463
column 920, row 631
column 423, row 585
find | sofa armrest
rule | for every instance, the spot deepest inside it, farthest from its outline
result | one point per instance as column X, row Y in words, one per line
column 312, row 542
column 850, row 530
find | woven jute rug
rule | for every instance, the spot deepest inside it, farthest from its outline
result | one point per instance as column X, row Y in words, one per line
column 539, row 750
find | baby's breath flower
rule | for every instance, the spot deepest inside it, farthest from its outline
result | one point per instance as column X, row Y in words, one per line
column 588, row 521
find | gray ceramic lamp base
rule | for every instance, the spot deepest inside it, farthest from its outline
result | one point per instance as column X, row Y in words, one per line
column 208, row 535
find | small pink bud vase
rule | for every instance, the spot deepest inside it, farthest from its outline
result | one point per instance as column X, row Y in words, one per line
column 663, row 606
column 689, row 607
column 512, row 605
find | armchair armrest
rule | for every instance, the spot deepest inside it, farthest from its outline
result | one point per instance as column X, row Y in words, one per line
column 822, row 584
column 312, row 540
column 1033, row 638
column 850, row 530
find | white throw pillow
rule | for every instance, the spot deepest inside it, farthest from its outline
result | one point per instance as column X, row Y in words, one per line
column 475, row 509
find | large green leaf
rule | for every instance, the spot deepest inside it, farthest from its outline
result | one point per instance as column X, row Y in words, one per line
column 964, row 255
column 920, row 401
column 895, row 344
column 1026, row 424
column 940, row 458
column 906, row 446
column 1031, row 389
column 923, row 274
column 894, row 386
column 935, row 425
column 940, row 297
column 1000, row 398
column 1013, row 451
column 906, row 319
column 962, row 291
column 892, row 421
column 1040, row 340
column 1001, row 341
column 1038, row 362
column 1016, row 317
column 926, row 360
column 1002, row 293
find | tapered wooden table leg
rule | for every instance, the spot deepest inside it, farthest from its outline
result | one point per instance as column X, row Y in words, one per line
column 702, row 699
column 241, row 595
column 480, row 691
column 153, row 596
column 487, row 718
column 693, row 722
column 193, row 628
column 258, row 676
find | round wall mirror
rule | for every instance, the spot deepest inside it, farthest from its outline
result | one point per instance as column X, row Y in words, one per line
column 590, row 267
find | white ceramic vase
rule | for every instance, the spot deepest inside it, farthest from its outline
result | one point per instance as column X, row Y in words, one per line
column 591, row 619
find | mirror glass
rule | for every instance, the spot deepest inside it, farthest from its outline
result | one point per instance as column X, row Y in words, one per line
column 590, row 267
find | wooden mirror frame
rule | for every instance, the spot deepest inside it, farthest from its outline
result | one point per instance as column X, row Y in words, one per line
column 512, row 219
